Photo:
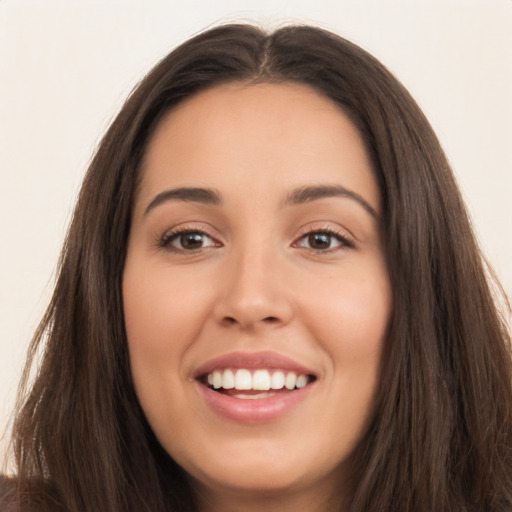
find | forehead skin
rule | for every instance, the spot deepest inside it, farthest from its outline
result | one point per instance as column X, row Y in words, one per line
column 247, row 126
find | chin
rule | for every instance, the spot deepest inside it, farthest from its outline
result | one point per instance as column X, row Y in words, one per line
column 249, row 477
column 263, row 468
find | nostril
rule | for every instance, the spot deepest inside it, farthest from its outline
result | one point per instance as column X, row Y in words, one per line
column 268, row 320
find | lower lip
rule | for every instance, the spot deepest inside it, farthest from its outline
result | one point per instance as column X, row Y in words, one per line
column 259, row 410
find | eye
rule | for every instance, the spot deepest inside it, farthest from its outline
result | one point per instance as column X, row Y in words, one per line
column 187, row 240
column 323, row 241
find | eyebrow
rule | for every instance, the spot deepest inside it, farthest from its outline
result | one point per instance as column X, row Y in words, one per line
column 192, row 194
column 313, row 193
column 296, row 197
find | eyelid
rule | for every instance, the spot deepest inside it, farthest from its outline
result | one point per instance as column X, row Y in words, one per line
column 346, row 238
column 164, row 241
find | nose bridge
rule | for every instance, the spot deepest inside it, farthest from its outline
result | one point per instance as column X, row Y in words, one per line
column 253, row 292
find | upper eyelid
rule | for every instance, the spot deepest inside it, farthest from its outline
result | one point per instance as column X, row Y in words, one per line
column 345, row 236
column 343, row 239
column 191, row 227
column 312, row 227
column 163, row 240
column 172, row 234
column 323, row 227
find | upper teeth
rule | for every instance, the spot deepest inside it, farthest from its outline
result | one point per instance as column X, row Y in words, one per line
column 263, row 380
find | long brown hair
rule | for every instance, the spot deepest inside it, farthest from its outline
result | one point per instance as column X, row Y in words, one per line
column 441, row 434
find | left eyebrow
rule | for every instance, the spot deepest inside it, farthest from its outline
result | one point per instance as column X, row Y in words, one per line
column 313, row 193
column 190, row 194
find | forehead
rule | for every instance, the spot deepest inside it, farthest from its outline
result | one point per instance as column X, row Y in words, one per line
column 259, row 136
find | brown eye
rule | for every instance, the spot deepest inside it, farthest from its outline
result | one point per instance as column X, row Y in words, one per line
column 319, row 240
column 322, row 241
column 191, row 240
column 188, row 241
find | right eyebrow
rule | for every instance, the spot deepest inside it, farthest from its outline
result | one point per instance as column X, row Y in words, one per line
column 193, row 194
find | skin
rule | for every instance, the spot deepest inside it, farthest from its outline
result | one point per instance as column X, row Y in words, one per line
column 254, row 282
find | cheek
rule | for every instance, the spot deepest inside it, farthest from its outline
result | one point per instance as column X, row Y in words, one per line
column 350, row 320
column 161, row 324
column 160, row 317
column 352, row 313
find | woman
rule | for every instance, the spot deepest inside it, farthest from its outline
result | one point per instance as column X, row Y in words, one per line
column 269, row 297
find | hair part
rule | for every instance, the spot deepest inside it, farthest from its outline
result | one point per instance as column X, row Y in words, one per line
column 440, row 436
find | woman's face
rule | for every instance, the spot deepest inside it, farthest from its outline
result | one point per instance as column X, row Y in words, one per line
column 256, row 291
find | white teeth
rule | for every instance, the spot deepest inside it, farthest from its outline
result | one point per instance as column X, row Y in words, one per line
column 252, row 397
column 261, row 380
column 243, row 379
column 228, row 379
column 291, row 380
column 302, row 380
column 277, row 381
column 217, row 379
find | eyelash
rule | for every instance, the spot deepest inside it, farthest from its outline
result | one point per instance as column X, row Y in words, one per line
column 169, row 237
column 344, row 240
column 166, row 241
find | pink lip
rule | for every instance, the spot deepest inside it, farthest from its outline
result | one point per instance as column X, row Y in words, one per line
column 251, row 411
column 261, row 410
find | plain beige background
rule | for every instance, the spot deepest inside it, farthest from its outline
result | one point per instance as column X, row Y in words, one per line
column 66, row 67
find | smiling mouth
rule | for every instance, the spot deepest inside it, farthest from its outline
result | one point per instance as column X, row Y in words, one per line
column 255, row 384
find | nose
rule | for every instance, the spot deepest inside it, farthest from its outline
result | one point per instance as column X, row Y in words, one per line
column 253, row 293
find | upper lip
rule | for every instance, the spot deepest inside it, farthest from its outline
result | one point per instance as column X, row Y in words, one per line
column 252, row 360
